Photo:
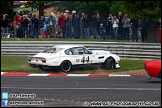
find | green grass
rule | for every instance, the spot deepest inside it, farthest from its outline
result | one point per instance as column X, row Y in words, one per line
column 20, row 64
column 60, row 39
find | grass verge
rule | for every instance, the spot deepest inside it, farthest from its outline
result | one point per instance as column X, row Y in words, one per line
column 20, row 64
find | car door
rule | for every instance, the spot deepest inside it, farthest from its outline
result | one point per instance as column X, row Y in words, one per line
column 82, row 56
column 76, row 57
column 88, row 57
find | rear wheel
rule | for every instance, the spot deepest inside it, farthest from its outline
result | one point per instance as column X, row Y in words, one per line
column 109, row 63
column 65, row 66
column 40, row 67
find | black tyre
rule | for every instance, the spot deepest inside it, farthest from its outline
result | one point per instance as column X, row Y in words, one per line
column 160, row 75
column 40, row 67
column 65, row 66
column 109, row 63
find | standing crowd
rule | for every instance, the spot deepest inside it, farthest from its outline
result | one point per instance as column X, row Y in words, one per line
column 71, row 25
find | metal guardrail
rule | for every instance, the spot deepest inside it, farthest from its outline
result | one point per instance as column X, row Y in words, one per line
column 128, row 50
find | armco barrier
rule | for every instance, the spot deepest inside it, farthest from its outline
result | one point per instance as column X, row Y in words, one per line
column 128, row 50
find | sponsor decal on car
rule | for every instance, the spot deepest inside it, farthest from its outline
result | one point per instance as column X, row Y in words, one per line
column 77, row 60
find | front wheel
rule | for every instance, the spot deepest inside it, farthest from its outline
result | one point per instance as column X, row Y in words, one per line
column 109, row 63
column 65, row 66
column 160, row 75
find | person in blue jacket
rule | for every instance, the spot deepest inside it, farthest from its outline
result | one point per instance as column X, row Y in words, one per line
column 51, row 22
column 44, row 34
column 102, row 31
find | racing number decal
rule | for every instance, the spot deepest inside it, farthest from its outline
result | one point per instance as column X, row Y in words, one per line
column 85, row 59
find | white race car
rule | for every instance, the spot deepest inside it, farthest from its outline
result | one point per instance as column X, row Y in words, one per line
column 67, row 56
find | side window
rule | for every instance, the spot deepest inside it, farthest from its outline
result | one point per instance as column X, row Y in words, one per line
column 75, row 51
column 80, row 50
column 86, row 51
column 68, row 52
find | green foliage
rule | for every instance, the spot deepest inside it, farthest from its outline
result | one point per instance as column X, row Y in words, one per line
column 24, row 12
column 144, row 10
column 36, row 4
column 7, row 8
column 89, row 7
column 116, row 7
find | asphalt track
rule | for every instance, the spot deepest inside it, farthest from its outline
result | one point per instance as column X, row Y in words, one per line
column 84, row 91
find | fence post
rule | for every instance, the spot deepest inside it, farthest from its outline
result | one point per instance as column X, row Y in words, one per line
column 15, row 31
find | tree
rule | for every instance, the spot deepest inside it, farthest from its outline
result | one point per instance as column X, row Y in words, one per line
column 116, row 7
column 89, row 7
column 7, row 8
column 39, row 5
column 149, row 11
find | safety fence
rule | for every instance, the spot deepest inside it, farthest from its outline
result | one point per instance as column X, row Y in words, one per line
column 127, row 50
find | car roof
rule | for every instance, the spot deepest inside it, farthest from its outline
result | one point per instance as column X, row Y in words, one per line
column 68, row 46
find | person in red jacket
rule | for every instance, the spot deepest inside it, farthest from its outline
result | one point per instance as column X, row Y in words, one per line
column 62, row 24
column 17, row 19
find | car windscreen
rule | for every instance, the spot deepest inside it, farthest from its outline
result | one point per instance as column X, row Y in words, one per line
column 52, row 50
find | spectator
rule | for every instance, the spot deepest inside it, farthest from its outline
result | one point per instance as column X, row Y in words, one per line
column 35, row 24
column 19, row 31
column 11, row 29
column 52, row 21
column 134, row 25
column 68, row 22
column 109, row 20
column 24, row 24
column 159, row 23
column 30, row 26
column 44, row 31
column 120, row 29
column 115, row 26
column 17, row 19
column 102, row 30
column 126, row 24
column 62, row 24
column 41, row 24
column 76, row 24
column 86, row 22
column 73, row 13
column 98, row 21
column 81, row 25
column 4, row 24
column 73, row 17
column 94, row 24
column 143, row 31
column 108, row 28
column 54, row 13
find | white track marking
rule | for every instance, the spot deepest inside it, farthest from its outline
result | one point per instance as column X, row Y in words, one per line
column 146, row 89
column 2, row 73
column 38, row 74
column 78, row 75
column 117, row 75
